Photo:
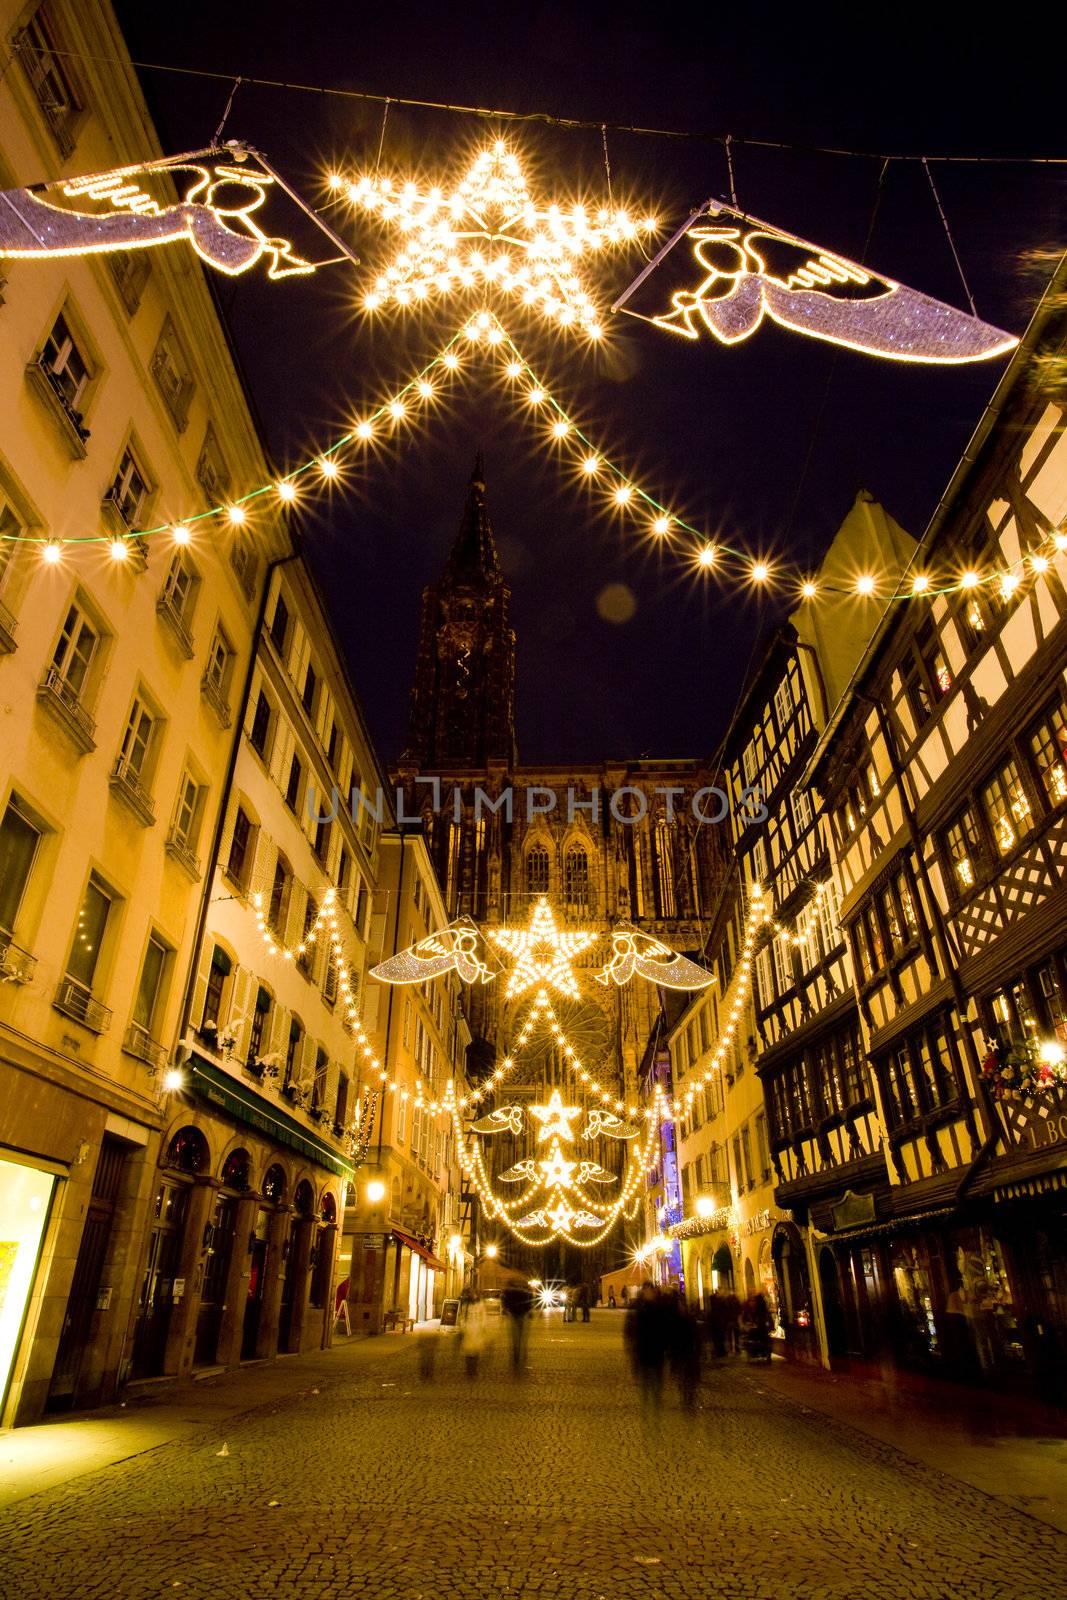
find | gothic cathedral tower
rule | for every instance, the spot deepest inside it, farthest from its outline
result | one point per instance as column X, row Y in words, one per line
column 463, row 701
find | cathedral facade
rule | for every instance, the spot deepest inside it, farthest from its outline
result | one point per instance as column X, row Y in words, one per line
column 606, row 842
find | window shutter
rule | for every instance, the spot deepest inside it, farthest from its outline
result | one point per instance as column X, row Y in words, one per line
column 203, row 972
column 240, row 1008
column 279, row 1034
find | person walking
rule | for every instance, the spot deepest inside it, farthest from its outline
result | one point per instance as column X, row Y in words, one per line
column 684, row 1352
column 611, row 1299
column 516, row 1303
column 646, row 1343
column 585, row 1296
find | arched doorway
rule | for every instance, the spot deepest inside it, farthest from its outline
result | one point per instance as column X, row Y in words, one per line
column 295, row 1252
column 185, row 1159
column 769, row 1286
column 794, row 1290
column 219, row 1233
column 722, row 1270
column 750, row 1280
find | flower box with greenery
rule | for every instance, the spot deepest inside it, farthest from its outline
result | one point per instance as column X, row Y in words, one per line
column 1026, row 1068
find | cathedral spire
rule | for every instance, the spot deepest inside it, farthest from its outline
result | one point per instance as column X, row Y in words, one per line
column 463, row 699
column 473, row 553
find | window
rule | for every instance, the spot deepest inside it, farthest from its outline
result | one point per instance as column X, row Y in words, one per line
column 927, row 677
column 963, row 843
column 318, row 1083
column 244, row 563
column 1006, row 807
column 259, row 736
column 239, row 861
column 341, row 1103
column 764, row 981
column 323, row 830
column 576, row 878
column 750, row 764
column 344, row 873
column 281, row 890
column 137, row 739
column 920, row 1075
column 1048, row 750
column 19, row 839
column 293, row 1051
column 188, row 812
column 219, row 971
column 279, row 627
column 130, row 270
column 664, row 858
column 49, row 77
column 219, row 663
column 171, row 369
column 147, row 1002
column 179, row 586
column 783, row 704
column 783, row 969
column 129, row 490
column 93, row 919
column 801, row 805
column 64, row 365
column 11, row 531
column 759, row 862
column 260, row 1015
column 73, row 655
column 292, row 788
column 333, row 748
column 311, row 683
column 307, row 954
column 401, row 1116
column 211, row 471
column 329, row 982
column 537, row 870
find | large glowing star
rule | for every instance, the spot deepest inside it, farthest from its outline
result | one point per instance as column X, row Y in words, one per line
column 543, row 954
column 112, row 212
column 633, row 951
column 555, row 1118
column 740, row 270
column 454, row 948
column 487, row 233
column 557, row 1170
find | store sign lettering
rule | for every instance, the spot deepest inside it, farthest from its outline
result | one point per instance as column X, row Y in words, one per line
column 1042, row 1131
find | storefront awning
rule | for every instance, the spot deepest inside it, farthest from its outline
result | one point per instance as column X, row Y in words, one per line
column 419, row 1248
column 217, row 1086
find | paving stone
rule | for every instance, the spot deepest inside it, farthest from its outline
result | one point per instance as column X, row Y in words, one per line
column 555, row 1486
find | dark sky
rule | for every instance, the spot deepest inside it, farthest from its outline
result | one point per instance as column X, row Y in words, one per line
column 766, row 443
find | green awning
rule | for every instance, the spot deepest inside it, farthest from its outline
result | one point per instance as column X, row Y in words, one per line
column 246, row 1106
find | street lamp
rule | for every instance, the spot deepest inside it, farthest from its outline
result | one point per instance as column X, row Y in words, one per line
column 705, row 1205
column 491, row 1251
column 376, row 1191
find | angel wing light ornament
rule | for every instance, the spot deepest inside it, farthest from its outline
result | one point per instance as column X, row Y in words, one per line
column 453, row 948
column 633, row 951
column 724, row 277
column 502, row 1119
column 132, row 208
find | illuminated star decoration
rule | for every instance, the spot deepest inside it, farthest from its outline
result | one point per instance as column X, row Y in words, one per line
column 746, row 269
column 555, row 1118
column 488, row 234
column 633, row 951
column 543, row 954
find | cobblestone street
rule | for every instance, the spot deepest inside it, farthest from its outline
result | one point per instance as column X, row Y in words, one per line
column 381, row 1480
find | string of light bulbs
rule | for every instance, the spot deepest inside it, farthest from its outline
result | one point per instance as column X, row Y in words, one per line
column 322, row 468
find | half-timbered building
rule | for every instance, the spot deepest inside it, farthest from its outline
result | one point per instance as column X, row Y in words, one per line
column 943, row 772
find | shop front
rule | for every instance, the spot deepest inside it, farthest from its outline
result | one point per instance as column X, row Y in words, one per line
column 26, row 1194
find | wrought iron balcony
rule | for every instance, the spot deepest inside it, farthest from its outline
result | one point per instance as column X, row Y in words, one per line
column 169, row 612
column 57, row 697
column 16, row 964
column 139, row 1042
column 216, row 699
column 75, row 1000
column 128, row 785
column 177, row 846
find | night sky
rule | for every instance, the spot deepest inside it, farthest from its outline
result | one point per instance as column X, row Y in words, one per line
column 765, row 444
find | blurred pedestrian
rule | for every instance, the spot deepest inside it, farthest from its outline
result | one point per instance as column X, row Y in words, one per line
column 584, row 1300
column 474, row 1328
column 611, row 1299
column 646, row 1341
column 684, row 1351
column 732, row 1319
column 715, row 1322
column 516, row 1303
